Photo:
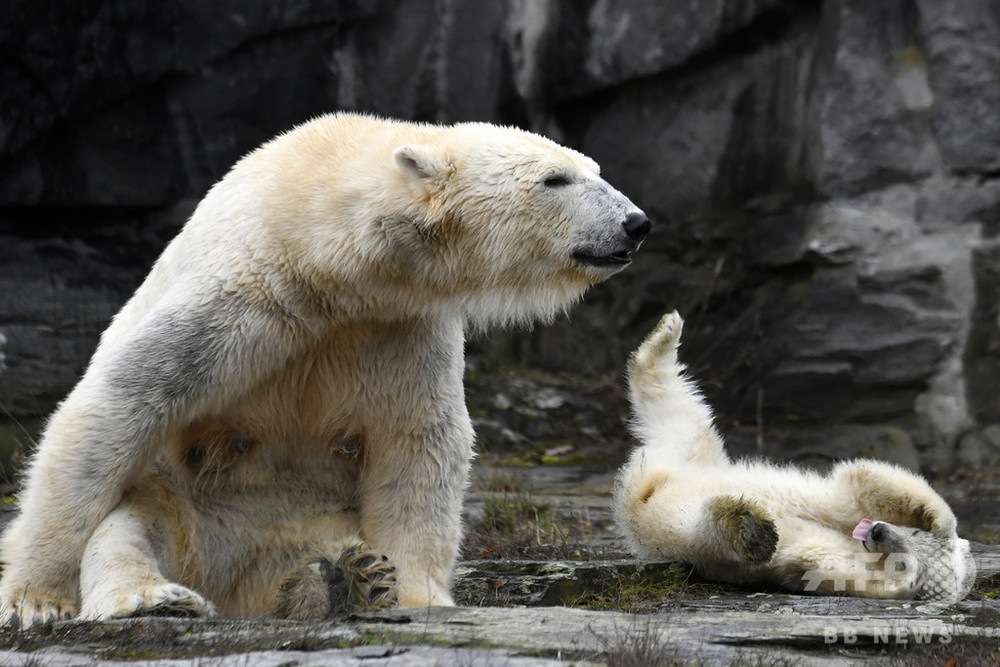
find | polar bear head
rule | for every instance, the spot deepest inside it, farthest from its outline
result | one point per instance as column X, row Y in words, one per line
column 933, row 568
column 514, row 224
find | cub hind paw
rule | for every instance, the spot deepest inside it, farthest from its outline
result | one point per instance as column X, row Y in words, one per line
column 659, row 346
column 747, row 528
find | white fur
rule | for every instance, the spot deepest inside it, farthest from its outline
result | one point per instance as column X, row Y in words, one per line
column 288, row 379
column 667, row 495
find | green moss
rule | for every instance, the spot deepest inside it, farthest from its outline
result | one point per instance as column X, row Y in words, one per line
column 513, row 515
column 516, row 525
column 523, row 460
column 988, row 588
column 645, row 589
column 499, row 482
column 577, row 459
column 535, row 458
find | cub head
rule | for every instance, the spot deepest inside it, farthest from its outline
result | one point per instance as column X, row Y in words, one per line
column 517, row 226
column 937, row 568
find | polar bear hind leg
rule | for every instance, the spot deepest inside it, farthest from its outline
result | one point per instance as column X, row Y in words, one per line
column 749, row 529
column 666, row 513
column 661, row 500
column 359, row 580
column 669, row 413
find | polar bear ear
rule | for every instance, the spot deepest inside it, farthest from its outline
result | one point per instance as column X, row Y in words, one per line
column 418, row 162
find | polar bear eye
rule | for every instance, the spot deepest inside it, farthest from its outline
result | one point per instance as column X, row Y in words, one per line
column 556, row 181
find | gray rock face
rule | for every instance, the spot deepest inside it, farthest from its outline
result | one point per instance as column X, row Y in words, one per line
column 962, row 43
column 821, row 177
column 983, row 350
column 873, row 100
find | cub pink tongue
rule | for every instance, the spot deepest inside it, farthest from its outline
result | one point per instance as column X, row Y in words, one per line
column 861, row 530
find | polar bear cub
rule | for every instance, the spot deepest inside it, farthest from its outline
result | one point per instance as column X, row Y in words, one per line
column 278, row 411
column 679, row 496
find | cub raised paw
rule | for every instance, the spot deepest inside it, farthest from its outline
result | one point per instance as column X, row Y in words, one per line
column 157, row 600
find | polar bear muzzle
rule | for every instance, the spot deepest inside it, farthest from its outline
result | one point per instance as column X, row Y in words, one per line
column 617, row 253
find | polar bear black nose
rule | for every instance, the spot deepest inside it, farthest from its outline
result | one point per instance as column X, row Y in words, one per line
column 636, row 225
column 876, row 532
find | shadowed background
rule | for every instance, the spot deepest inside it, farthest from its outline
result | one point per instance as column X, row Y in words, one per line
column 823, row 179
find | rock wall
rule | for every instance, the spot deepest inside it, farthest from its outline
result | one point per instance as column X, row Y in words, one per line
column 823, row 178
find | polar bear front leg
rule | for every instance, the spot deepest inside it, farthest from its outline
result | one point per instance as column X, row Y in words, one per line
column 62, row 501
column 120, row 575
column 157, row 375
column 417, row 453
column 885, row 492
column 412, row 506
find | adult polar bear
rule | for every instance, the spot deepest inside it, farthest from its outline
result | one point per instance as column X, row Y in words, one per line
column 288, row 379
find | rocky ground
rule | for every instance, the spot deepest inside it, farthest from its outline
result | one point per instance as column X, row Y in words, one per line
column 544, row 580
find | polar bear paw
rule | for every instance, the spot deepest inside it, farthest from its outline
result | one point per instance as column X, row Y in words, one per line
column 746, row 527
column 159, row 600
column 360, row 580
column 368, row 577
column 24, row 607
column 896, row 496
column 660, row 347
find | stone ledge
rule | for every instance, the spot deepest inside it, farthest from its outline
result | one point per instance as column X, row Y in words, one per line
column 724, row 628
